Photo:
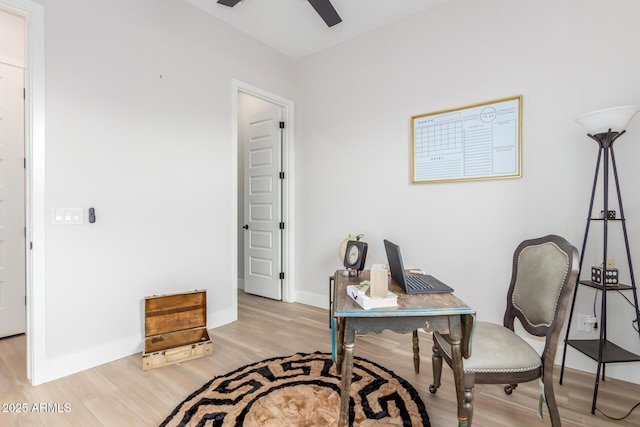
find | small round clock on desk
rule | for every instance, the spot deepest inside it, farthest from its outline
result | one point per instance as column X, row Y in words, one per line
column 355, row 254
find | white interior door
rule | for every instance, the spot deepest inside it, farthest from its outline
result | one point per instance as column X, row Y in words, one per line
column 263, row 204
column 12, row 211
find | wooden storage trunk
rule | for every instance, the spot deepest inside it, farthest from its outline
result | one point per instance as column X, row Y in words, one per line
column 175, row 329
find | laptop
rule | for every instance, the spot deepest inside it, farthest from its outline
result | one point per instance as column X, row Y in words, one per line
column 411, row 283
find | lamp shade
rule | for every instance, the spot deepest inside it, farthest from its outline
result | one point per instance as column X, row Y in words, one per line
column 616, row 119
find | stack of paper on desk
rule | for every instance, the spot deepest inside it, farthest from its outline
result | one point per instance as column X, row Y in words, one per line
column 360, row 294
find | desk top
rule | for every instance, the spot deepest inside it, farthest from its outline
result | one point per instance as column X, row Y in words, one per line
column 408, row 305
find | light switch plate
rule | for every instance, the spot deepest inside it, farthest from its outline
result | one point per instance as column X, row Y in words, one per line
column 66, row 216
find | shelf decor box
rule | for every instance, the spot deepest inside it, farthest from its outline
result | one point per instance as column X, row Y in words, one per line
column 610, row 275
column 175, row 329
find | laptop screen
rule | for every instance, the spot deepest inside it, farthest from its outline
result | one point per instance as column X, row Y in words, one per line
column 395, row 263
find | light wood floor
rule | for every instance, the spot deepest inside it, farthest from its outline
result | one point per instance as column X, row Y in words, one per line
column 121, row 394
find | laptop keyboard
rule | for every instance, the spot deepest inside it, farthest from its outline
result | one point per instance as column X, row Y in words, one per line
column 417, row 282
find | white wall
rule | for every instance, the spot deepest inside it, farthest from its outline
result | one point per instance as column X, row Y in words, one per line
column 354, row 106
column 138, row 106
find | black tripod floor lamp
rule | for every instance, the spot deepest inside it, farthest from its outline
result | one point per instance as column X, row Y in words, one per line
column 605, row 127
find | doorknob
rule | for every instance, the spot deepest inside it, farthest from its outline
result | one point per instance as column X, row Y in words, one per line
column 246, row 226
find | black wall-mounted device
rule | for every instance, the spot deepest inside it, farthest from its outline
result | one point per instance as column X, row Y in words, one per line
column 92, row 215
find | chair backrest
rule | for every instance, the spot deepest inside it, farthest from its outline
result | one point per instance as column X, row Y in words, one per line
column 545, row 271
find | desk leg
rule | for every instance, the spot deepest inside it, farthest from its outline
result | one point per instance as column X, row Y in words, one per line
column 416, row 352
column 340, row 344
column 347, row 372
column 455, row 331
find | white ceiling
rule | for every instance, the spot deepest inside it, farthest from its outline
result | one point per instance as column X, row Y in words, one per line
column 294, row 28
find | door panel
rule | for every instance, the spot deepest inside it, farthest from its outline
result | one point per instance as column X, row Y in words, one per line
column 12, row 214
column 262, row 204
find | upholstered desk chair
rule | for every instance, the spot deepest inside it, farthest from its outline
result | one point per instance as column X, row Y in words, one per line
column 544, row 275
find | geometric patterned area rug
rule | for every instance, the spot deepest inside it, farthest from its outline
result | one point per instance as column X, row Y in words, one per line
column 302, row 390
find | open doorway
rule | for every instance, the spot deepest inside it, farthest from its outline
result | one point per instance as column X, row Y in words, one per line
column 13, row 299
column 265, row 111
column 34, row 179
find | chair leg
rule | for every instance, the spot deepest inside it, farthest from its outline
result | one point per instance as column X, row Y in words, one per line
column 550, row 396
column 468, row 404
column 436, row 362
column 508, row 389
column 416, row 352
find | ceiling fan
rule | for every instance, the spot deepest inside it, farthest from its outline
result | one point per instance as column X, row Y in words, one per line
column 324, row 8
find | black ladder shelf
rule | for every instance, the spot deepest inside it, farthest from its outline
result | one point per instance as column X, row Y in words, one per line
column 602, row 350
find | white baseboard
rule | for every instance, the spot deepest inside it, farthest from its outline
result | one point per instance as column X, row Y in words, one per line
column 628, row 371
column 91, row 357
column 108, row 352
column 314, row 300
column 222, row 317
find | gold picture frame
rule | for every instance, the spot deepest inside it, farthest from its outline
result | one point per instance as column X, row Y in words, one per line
column 476, row 142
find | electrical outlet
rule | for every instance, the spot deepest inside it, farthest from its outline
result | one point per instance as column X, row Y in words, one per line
column 585, row 323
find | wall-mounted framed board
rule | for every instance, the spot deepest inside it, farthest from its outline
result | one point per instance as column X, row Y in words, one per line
column 480, row 141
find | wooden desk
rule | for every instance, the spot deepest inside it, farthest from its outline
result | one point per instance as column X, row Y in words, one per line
column 435, row 312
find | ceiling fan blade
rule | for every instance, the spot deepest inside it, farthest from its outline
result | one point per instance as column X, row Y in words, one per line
column 326, row 11
column 229, row 3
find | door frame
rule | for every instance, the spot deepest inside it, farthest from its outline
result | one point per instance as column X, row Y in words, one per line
column 34, row 184
column 288, row 187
